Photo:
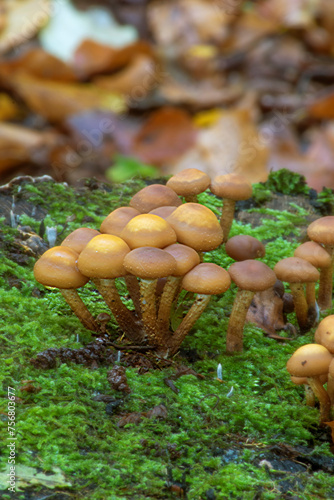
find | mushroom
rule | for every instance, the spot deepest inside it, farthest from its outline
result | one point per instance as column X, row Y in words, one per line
column 324, row 334
column 78, row 239
column 296, row 272
column 149, row 264
column 205, row 279
column 330, row 383
column 244, row 247
column 322, row 231
column 189, row 183
column 57, row 268
column 196, row 226
column 231, row 188
column 186, row 258
column 316, row 255
column 309, row 394
column 154, row 196
column 116, row 221
column 163, row 212
column 312, row 361
column 102, row 261
column 250, row 276
column 148, row 230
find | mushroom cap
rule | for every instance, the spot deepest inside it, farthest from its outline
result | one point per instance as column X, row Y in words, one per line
column 189, row 182
column 196, row 226
column 149, row 263
column 154, row 196
column 103, row 257
column 147, row 230
column 296, row 270
column 243, row 247
column 310, row 360
column 232, row 186
column 116, row 221
column 324, row 334
column 78, row 239
column 207, row 278
column 252, row 275
column 186, row 258
column 322, row 230
column 303, row 380
column 163, row 212
column 57, row 267
column 314, row 253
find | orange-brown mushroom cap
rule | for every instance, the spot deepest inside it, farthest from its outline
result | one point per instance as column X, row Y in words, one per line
column 116, row 221
column 57, row 267
column 244, row 247
column 324, row 334
column 232, row 186
column 189, row 182
column 196, row 226
column 296, row 270
column 147, row 230
column 78, row 239
column 252, row 275
column 103, row 257
column 314, row 253
column 154, row 196
column 149, row 263
column 322, row 230
column 207, row 278
column 310, row 360
column 186, row 258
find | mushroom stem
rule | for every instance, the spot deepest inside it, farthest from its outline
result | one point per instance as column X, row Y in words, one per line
column 309, row 395
column 227, row 216
column 79, row 308
column 323, row 397
column 148, row 309
column 168, row 295
column 234, row 336
column 301, row 307
column 134, row 291
column 200, row 304
column 310, row 294
column 121, row 313
column 191, row 198
column 330, row 389
column 326, row 283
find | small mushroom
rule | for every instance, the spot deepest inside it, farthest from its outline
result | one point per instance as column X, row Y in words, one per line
column 324, row 334
column 154, row 196
column 116, row 221
column 148, row 230
column 205, row 279
column 322, row 231
column 57, row 268
column 78, row 239
column 309, row 394
column 297, row 272
column 231, row 188
column 189, row 183
column 312, row 361
column 244, row 247
column 250, row 276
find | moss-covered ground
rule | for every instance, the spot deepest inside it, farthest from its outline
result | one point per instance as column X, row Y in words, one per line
column 250, row 436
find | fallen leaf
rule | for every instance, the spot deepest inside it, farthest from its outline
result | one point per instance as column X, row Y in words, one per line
column 266, row 311
column 290, row 13
column 322, row 107
column 159, row 411
column 117, row 379
column 25, row 477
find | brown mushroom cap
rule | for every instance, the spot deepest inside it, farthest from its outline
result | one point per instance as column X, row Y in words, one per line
column 196, row 226
column 147, row 230
column 78, row 239
column 303, row 380
column 57, row 267
column 116, row 221
column 309, row 360
column 243, row 247
column 149, row 263
column 186, row 258
column 314, row 253
column 324, row 334
column 322, row 230
column 252, row 275
column 189, row 182
column 296, row 270
column 207, row 278
column 163, row 212
column 154, row 196
column 232, row 186
column 103, row 257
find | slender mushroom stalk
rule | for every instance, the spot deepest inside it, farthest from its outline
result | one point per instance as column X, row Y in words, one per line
column 322, row 231
column 312, row 361
column 250, row 276
column 205, row 279
column 330, row 384
column 309, row 394
column 231, row 188
column 189, row 183
column 134, row 291
column 57, row 268
column 102, row 261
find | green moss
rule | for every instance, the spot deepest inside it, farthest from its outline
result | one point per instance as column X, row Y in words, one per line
column 255, row 406
column 286, row 182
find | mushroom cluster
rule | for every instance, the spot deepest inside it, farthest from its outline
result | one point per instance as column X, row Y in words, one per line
column 156, row 246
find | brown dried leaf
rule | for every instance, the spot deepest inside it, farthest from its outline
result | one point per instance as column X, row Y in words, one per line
column 159, row 411
column 117, row 379
column 289, row 13
column 266, row 311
